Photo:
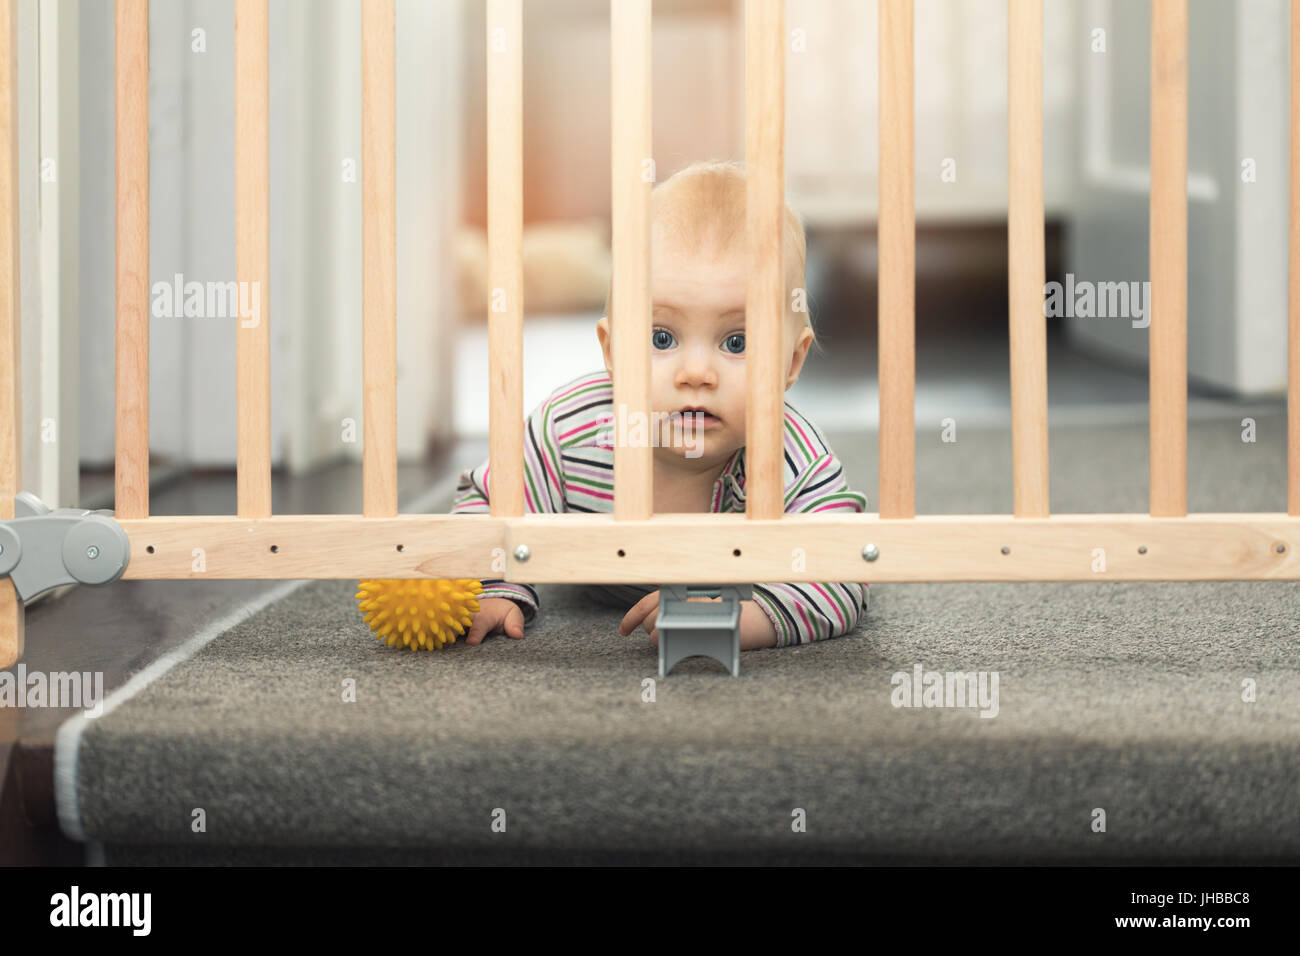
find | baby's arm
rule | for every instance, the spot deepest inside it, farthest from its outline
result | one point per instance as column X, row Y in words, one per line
column 807, row 612
column 803, row 613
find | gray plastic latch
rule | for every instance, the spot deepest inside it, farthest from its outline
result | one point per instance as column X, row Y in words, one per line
column 42, row 549
column 700, row 628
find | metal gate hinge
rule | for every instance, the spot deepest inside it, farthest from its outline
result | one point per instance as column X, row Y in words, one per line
column 42, row 549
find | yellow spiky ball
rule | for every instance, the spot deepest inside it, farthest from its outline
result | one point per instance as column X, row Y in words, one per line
column 419, row 614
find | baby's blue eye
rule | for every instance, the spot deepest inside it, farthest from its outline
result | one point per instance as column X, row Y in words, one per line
column 662, row 339
column 734, row 343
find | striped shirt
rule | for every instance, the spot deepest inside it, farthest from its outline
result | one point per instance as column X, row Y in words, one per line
column 569, row 466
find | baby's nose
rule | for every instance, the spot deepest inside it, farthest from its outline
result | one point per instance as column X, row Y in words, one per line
column 696, row 369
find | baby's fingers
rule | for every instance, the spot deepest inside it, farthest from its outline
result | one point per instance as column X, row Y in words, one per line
column 484, row 622
column 630, row 620
column 641, row 611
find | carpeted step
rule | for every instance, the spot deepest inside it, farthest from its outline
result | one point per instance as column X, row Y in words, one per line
column 1121, row 697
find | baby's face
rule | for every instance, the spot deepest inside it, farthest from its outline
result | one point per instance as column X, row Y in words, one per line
column 697, row 351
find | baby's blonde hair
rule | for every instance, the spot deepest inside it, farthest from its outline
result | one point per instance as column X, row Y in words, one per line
column 701, row 209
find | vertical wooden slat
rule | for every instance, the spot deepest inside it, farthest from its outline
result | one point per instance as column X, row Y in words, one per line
column 131, row 89
column 630, row 147
column 11, row 403
column 379, row 256
column 897, row 268
column 765, row 305
column 1168, row 330
column 252, row 257
column 1293, row 282
column 1026, row 264
column 505, row 210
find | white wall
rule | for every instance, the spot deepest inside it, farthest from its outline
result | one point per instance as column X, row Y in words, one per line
column 95, row 240
column 315, row 296
column 960, row 86
column 1238, row 80
column 48, row 211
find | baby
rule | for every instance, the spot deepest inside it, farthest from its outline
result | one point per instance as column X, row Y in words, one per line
column 697, row 358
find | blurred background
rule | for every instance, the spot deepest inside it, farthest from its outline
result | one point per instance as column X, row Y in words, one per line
column 1096, row 148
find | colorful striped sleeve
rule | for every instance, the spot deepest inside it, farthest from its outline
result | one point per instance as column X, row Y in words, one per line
column 807, row 612
column 543, row 492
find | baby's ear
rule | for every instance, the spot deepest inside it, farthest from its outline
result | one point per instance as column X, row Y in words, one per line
column 603, row 337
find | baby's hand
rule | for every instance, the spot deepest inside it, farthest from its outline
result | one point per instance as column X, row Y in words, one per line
column 496, row 614
column 756, row 628
column 642, row 614
column 645, row 614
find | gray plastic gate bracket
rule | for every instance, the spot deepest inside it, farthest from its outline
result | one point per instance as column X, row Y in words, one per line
column 42, row 549
column 700, row 628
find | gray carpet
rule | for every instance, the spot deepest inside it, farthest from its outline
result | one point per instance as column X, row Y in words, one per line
column 1120, row 696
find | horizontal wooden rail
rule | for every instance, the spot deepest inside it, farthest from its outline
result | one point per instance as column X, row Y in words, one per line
column 316, row 546
column 724, row 548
